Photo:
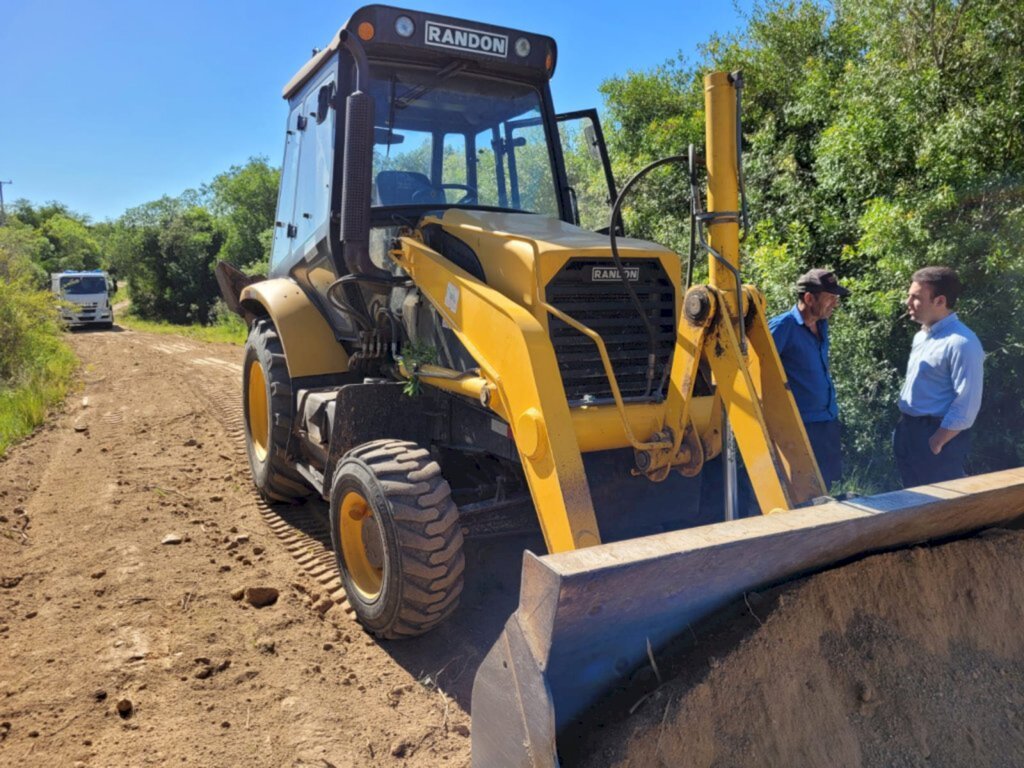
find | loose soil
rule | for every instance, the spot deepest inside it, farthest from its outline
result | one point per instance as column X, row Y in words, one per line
column 913, row 658
column 125, row 527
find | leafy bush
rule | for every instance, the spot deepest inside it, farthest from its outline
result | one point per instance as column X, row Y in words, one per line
column 36, row 366
column 879, row 137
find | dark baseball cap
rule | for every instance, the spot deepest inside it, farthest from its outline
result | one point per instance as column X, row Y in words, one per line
column 821, row 281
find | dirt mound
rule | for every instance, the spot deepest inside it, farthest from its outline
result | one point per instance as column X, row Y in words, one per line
column 909, row 658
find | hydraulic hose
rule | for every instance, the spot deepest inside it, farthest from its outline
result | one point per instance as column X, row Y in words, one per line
column 737, row 81
column 691, row 257
column 652, row 340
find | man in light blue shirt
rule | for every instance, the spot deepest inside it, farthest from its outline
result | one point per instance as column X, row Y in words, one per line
column 942, row 393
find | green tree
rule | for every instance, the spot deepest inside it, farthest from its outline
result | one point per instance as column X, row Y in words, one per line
column 72, row 242
column 36, row 216
column 22, row 252
column 244, row 199
column 189, row 244
column 167, row 250
column 879, row 136
column 74, row 246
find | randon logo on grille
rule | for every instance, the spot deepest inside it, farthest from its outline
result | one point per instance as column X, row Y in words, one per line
column 462, row 39
column 611, row 274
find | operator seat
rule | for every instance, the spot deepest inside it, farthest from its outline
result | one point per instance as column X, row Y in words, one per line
column 407, row 188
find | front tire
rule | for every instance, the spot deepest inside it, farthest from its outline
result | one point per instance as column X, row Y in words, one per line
column 397, row 538
column 267, row 403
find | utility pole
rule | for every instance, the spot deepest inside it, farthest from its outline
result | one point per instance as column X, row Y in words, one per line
column 3, row 213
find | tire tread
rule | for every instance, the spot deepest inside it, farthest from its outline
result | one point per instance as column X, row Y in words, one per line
column 282, row 483
column 427, row 528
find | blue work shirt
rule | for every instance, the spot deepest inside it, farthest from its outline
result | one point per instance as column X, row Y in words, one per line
column 944, row 374
column 805, row 359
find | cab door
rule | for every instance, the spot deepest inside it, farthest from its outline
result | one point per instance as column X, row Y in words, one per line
column 587, row 168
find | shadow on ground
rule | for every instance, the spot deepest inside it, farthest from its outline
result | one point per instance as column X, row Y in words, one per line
column 448, row 656
column 97, row 329
column 626, row 507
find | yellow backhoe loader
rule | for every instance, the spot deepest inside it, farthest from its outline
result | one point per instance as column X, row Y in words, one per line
column 442, row 336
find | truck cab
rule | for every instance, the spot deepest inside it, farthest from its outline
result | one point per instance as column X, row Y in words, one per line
column 461, row 116
column 88, row 294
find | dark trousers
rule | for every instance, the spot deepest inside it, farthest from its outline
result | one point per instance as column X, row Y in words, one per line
column 915, row 460
column 825, row 438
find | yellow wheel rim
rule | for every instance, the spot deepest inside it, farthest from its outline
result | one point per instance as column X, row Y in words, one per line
column 258, row 412
column 361, row 545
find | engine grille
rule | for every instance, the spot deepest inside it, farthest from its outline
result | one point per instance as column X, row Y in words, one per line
column 591, row 292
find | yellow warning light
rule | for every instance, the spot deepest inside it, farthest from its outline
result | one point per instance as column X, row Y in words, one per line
column 549, row 63
column 366, row 31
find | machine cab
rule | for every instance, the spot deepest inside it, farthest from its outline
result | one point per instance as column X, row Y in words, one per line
column 461, row 117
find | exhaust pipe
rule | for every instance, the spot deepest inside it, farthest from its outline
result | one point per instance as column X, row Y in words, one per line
column 358, row 167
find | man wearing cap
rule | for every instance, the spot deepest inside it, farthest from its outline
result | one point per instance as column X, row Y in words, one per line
column 941, row 395
column 801, row 337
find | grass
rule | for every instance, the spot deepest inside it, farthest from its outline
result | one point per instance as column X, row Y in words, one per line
column 229, row 328
column 231, row 331
column 24, row 406
column 37, row 367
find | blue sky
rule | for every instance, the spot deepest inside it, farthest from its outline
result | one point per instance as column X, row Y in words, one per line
column 109, row 104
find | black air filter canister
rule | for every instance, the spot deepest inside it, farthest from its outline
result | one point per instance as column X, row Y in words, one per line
column 355, row 192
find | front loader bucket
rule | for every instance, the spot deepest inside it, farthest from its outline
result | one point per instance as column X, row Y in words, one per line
column 585, row 617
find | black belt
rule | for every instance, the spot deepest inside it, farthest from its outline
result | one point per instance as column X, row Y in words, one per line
column 929, row 419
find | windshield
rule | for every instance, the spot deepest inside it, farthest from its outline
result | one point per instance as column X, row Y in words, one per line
column 80, row 286
column 446, row 137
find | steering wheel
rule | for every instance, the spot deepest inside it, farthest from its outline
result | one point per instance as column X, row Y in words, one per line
column 469, row 198
column 427, row 194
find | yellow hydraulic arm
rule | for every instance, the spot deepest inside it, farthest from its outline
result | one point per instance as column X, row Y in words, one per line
column 521, row 373
column 722, row 323
column 737, row 345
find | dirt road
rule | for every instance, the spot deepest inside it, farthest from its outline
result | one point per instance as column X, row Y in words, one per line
column 127, row 525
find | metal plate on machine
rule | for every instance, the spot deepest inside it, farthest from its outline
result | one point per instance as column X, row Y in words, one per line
column 612, row 274
column 465, row 39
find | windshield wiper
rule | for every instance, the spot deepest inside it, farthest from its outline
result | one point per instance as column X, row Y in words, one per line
column 417, row 92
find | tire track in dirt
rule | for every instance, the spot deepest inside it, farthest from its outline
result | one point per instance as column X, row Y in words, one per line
column 94, row 606
column 491, row 590
column 299, row 528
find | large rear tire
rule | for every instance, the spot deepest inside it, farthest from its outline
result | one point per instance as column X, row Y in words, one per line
column 267, row 403
column 397, row 538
